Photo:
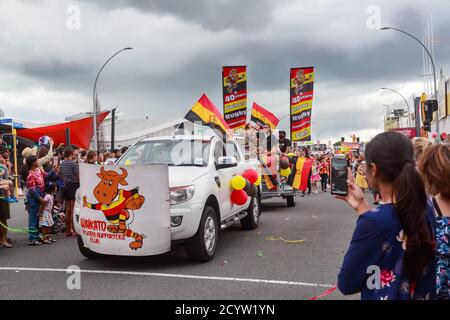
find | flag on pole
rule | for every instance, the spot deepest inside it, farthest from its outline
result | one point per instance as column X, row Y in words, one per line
column 206, row 112
column 263, row 117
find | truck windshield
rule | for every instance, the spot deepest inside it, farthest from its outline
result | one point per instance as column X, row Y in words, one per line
column 170, row 152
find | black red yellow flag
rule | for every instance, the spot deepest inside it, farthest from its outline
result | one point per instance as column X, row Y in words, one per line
column 206, row 112
column 263, row 117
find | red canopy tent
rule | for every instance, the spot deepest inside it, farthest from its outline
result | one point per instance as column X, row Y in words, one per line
column 81, row 131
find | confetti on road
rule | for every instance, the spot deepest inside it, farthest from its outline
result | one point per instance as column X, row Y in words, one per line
column 284, row 240
column 287, row 218
column 223, row 263
column 315, row 217
column 259, row 254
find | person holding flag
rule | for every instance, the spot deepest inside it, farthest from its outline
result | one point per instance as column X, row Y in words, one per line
column 300, row 177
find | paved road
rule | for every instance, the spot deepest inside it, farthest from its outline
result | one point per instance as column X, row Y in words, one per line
column 295, row 271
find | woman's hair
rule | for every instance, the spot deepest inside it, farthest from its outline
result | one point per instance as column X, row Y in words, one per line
column 393, row 155
column 434, row 166
column 420, row 144
column 90, row 156
column 30, row 161
column 42, row 152
column 68, row 152
column 50, row 187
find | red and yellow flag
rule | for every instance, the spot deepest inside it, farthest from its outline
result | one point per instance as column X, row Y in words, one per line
column 301, row 172
column 206, row 112
column 263, row 116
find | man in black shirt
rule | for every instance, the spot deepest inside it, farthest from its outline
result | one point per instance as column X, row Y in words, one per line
column 284, row 143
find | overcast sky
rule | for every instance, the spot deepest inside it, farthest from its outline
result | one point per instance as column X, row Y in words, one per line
column 48, row 65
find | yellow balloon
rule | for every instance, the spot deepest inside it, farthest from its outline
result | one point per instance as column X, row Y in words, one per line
column 238, row 183
column 285, row 172
column 128, row 162
column 258, row 181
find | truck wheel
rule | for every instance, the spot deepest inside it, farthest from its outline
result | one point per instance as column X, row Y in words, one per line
column 202, row 246
column 251, row 221
column 290, row 201
column 87, row 252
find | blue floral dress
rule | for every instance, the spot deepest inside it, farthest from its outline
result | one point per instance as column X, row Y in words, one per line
column 443, row 255
column 379, row 241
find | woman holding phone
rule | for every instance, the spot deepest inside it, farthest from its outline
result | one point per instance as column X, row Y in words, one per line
column 392, row 251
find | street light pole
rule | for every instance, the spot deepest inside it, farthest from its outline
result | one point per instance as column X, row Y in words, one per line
column 407, row 104
column 432, row 64
column 94, row 96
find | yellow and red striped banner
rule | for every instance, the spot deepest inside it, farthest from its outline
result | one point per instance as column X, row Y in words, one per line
column 301, row 92
column 234, row 83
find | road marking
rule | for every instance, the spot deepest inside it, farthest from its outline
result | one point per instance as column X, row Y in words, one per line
column 171, row 275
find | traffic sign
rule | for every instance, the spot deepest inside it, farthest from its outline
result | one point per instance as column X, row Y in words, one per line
column 6, row 120
column 17, row 125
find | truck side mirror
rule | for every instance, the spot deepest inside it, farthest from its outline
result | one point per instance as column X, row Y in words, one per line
column 226, row 162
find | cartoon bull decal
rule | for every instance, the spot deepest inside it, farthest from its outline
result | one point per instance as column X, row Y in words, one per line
column 115, row 203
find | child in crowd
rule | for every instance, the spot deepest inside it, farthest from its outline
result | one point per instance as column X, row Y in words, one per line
column 361, row 178
column 315, row 177
column 6, row 185
column 45, row 217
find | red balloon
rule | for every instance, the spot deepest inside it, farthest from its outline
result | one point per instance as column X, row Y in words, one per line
column 239, row 197
column 251, row 175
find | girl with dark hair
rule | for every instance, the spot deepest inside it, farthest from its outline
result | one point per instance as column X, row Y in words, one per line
column 392, row 251
column 35, row 197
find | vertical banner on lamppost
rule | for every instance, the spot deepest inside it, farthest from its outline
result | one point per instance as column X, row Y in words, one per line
column 301, row 93
column 234, row 83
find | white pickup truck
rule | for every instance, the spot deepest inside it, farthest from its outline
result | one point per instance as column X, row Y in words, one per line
column 200, row 171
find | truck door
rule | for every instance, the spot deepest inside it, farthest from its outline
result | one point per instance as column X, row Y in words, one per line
column 223, row 177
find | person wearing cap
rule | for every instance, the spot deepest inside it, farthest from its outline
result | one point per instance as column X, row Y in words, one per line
column 284, row 143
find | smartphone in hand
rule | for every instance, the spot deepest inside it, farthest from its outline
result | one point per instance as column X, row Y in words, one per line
column 55, row 161
column 339, row 176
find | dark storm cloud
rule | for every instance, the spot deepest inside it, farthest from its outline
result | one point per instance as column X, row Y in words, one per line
column 210, row 14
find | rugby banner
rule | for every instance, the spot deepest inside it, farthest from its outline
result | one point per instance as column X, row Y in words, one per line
column 301, row 94
column 234, row 83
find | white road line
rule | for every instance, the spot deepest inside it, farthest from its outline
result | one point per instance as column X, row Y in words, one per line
column 171, row 275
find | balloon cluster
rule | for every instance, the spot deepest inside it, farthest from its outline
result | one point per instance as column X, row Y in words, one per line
column 245, row 186
column 285, row 166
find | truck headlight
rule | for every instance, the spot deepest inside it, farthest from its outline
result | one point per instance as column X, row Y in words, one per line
column 181, row 194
